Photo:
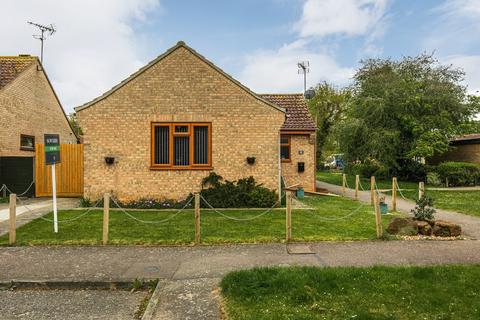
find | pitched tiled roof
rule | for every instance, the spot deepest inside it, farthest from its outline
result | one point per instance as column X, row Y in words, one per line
column 11, row 67
column 297, row 117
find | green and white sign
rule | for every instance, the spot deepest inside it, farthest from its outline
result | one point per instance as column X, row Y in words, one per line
column 52, row 148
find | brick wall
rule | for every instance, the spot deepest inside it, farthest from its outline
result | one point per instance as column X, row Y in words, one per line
column 461, row 153
column 302, row 150
column 28, row 106
column 179, row 88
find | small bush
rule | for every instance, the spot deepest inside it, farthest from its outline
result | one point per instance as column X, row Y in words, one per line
column 410, row 170
column 243, row 193
column 365, row 169
column 433, row 179
column 424, row 209
column 459, row 173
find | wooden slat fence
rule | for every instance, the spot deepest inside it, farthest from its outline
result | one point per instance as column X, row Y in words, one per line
column 69, row 172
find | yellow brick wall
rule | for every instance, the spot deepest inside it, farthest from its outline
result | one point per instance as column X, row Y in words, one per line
column 28, row 106
column 179, row 88
column 302, row 150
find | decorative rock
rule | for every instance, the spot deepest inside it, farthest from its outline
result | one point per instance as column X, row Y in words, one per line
column 403, row 226
column 424, row 228
column 446, row 229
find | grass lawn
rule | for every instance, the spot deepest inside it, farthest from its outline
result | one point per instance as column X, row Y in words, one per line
column 460, row 201
column 215, row 229
column 3, row 200
column 301, row 293
column 333, row 177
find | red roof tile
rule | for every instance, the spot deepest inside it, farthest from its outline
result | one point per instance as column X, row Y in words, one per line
column 297, row 116
column 11, row 67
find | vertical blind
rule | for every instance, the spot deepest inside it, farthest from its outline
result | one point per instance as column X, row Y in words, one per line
column 201, row 144
column 162, row 145
column 181, row 151
column 181, row 145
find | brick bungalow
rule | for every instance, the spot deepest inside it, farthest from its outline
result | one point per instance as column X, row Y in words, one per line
column 162, row 130
column 29, row 108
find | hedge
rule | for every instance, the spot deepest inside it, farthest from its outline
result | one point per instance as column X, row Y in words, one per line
column 458, row 173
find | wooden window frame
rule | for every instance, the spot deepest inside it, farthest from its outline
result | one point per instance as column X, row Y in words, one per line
column 27, row 148
column 172, row 134
column 289, row 145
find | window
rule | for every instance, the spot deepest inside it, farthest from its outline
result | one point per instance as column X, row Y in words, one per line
column 181, row 146
column 285, row 148
column 27, row 143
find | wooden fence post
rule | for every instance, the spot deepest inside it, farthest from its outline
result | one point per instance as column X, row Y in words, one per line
column 12, row 221
column 421, row 189
column 106, row 217
column 372, row 190
column 378, row 217
column 394, row 194
column 197, row 219
column 288, row 217
column 4, row 191
column 357, row 185
column 343, row 184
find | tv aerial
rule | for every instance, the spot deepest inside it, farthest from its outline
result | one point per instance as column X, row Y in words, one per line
column 44, row 31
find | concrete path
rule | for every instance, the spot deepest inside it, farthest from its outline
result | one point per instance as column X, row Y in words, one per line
column 30, row 209
column 190, row 275
column 470, row 224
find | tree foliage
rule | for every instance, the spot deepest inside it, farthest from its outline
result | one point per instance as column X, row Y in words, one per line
column 404, row 109
column 326, row 107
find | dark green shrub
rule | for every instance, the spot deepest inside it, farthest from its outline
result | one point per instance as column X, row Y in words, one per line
column 459, row 173
column 411, row 170
column 365, row 169
column 424, row 209
column 243, row 193
column 433, row 179
column 382, row 173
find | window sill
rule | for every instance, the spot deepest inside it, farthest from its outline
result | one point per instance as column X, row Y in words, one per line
column 181, row 168
column 27, row 149
column 286, row 160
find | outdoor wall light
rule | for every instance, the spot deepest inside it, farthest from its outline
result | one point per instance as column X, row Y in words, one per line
column 250, row 160
column 109, row 160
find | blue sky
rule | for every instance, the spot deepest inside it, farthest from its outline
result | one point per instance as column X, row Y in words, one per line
column 99, row 43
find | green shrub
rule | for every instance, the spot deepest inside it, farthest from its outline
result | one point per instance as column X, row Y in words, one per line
column 459, row 173
column 424, row 209
column 243, row 193
column 433, row 179
column 142, row 203
column 411, row 170
column 365, row 169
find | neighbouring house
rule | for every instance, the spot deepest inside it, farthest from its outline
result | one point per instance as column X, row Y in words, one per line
column 158, row 133
column 464, row 148
column 29, row 108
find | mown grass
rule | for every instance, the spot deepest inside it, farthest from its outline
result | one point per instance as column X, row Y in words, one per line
column 401, row 293
column 215, row 229
column 335, row 178
column 3, row 200
column 466, row 202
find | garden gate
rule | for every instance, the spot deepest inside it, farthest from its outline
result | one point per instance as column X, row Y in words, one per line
column 69, row 172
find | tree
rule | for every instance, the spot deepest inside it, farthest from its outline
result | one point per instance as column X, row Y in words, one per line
column 326, row 108
column 404, row 109
column 72, row 118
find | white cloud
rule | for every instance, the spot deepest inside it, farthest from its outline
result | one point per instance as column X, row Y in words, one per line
column 94, row 48
column 471, row 65
column 349, row 17
column 275, row 71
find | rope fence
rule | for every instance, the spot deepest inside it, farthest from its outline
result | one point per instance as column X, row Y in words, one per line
column 198, row 199
column 5, row 188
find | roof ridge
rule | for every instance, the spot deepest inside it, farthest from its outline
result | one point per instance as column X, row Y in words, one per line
column 165, row 54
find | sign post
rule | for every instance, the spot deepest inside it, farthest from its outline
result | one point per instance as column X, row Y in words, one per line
column 52, row 156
